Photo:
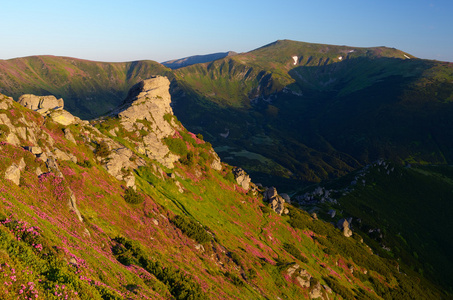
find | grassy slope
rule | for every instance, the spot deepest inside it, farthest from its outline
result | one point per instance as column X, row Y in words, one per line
column 44, row 246
column 412, row 208
column 89, row 88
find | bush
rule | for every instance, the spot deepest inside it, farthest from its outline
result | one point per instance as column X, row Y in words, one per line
column 188, row 159
column 102, row 149
column 86, row 163
column 191, row 229
column 179, row 284
column 339, row 289
column 177, row 146
column 234, row 278
column 291, row 249
column 132, row 196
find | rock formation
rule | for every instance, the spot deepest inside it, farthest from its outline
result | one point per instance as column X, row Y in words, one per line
column 149, row 102
column 276, row 201
column 48, row 106
column 343, row 225
column 242, row 178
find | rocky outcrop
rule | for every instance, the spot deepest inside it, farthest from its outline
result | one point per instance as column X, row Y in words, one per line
column 41, row 104
column 316, row 291
column 13, row 172
column 343, row 225
column 242, row 178
column 216, row 163
column 276, row 201
column 301, row 275
column 48, row 106
column 149, row 102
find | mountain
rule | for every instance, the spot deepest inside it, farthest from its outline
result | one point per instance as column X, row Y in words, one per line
column 196, row 59
column 289, row 112
column 134, row 206
column 89, row 88
column 311, row 112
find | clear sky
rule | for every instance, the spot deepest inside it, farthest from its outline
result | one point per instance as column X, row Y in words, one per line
column 162, row 30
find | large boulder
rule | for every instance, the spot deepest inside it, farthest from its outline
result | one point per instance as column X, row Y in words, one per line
column 41, row 104
column 343, row 225
column 242, row 178
column 276, row 201
column 13, row 174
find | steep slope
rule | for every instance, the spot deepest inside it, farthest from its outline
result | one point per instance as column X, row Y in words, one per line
column 196, row 59
column 89, row 88
column 402, row 212
column 86, row 214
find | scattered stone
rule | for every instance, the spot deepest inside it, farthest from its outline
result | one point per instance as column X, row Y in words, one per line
column 199, row 247
column 180, row 187
column 36, row 150
column 68, row 135
column 13, row 174
column 286, row 197
column 38, row 171
column 276, row 201
column 292, row 269
column 72, row 203
column 314, row 215
column 316, row 291
column 327, row 288
column 332, row 213
column 155, row 222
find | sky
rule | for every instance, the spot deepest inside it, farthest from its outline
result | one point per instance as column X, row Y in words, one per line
column 130, row 30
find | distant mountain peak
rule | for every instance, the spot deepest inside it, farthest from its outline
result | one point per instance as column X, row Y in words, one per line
column 196, row 59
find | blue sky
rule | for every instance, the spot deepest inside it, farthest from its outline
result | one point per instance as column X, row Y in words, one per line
column 162, row 30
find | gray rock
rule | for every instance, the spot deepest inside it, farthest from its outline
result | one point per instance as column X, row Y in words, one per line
column 343, row 225
column 332, row 213
column 242, row 178
column 270, row 194
column 216, row 163
column 36, row 150
column 41, row 104
column 292, row 269
column 286, row 197
column 72, row 203
column 68, row 135
column 13, row 173
column 316, row 291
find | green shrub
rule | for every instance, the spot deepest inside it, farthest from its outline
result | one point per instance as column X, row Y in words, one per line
column 176, row 145
column 291, row 249
column 266, row 209
column 133, row 197
column 230, row 177
column 188, row 159
column 236, row 258
column 191, row 229
column 102, row 149
column 4, row 131
column 179, row 284
column 234, row 278
column 339, row 289
column 86, row 163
